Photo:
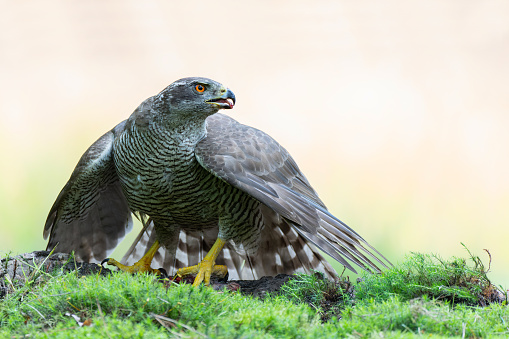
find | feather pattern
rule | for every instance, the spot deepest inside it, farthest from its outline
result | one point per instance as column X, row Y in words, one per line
column 273, row 178
column 90, row 215
column 191, row 179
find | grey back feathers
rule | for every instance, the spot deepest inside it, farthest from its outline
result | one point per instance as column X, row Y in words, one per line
column 200, row 176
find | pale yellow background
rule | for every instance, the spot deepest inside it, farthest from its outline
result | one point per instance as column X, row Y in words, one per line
column 397, row 111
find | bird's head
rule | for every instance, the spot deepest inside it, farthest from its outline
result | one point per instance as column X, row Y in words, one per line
column 194, row 98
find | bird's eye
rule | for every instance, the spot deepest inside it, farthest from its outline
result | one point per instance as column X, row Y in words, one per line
column 199, row 88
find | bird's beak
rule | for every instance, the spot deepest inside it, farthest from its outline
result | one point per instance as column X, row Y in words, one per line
column 226, row 100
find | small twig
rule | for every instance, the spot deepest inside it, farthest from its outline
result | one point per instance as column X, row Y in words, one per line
column 165, row 301
column 15, row 268
column 160, row 317
column 343, row 272
column 165, row 325
column 489, row 264
column 36, row 310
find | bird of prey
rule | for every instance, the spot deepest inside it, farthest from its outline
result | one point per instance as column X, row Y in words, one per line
column 208, row 190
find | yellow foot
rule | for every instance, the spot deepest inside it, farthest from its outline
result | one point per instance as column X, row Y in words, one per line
column 204, row 270
column 138, row 267
column 207, row 266
column 143, row 265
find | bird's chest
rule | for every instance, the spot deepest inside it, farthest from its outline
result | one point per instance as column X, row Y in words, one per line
column 161, row 177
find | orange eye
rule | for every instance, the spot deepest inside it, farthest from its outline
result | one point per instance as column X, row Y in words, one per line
column 200, row 88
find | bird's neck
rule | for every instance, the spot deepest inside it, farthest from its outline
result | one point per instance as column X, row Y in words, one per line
column 189, row 131
column 166, row 125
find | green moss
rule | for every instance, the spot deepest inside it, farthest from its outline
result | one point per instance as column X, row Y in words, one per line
column 397, row 304
column 137, row 299
column 453, row 280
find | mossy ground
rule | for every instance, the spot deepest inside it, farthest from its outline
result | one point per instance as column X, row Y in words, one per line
column 425, row 295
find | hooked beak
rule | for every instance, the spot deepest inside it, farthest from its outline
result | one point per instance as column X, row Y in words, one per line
column 226, row 100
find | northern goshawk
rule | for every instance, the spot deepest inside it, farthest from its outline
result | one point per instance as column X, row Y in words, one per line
column 208, row 189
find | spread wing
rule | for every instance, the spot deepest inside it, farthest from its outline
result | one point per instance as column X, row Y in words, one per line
column 90, row 215
column 255, row 163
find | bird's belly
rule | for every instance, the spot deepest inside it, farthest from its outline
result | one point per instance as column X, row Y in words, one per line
column 184, row 198
column 162, row 179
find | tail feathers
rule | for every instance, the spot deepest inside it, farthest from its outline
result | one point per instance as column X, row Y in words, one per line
column 192, row 247
column 334, row 233
column 348, row 243
column 307, row 258
column 281, row 250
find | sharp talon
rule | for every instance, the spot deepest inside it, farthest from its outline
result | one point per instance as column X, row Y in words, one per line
column 164, row 274
column 224, row 279
column 105, row 261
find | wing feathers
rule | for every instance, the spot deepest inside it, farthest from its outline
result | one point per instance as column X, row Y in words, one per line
column 255, row 163
column 90, row 215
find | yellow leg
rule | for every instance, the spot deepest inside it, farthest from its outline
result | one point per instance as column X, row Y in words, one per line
column 143, row 265
column 207, row 266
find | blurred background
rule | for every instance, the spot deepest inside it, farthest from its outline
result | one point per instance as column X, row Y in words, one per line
column 397, row 112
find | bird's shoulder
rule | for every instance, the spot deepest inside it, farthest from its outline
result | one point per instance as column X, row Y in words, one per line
column 226, row 135
column 249, row 158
